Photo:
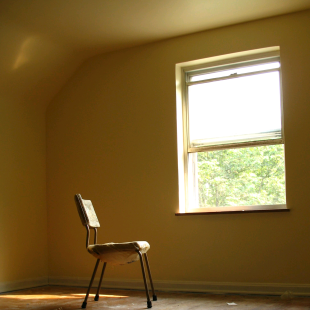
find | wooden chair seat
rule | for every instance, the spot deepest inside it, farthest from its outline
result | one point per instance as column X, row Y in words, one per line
column 119, row 253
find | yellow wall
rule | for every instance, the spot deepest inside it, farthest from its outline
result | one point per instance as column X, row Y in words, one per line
column 23, row 215
column 23, row 222
column 32, row 70
column 111, row 136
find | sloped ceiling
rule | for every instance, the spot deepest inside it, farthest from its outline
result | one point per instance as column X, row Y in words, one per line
column 43, row 42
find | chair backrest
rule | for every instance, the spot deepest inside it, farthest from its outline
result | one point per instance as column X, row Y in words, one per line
column 86, row 212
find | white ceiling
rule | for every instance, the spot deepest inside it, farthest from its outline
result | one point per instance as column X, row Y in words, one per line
column 43, row 42
column 106, row 25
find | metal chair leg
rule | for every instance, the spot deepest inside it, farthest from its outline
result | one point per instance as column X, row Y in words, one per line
column 150, row 276
column 149, row 303
column 99, row 286
column 90, row 284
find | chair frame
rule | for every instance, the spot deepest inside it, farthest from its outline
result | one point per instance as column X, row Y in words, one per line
column 85, row 222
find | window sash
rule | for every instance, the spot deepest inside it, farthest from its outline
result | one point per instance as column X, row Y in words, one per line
column 217, row 68
column 231, row 77
column 246, row 140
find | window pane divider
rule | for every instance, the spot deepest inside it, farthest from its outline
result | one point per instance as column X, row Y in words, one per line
column 234, row 145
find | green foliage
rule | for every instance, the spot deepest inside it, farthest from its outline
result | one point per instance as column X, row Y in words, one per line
column 241, row 177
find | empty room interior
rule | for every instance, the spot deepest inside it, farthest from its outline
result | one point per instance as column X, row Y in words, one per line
column 89, row 105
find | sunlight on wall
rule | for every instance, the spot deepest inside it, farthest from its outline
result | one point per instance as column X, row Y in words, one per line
column 26, row 52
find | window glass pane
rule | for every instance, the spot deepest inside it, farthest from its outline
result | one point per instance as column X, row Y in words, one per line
column 240, row 70
column 238, row 177
column 235, row 110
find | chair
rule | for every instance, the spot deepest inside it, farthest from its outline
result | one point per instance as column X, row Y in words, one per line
column 114, row 253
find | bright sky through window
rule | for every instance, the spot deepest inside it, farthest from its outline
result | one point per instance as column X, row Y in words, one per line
column 249, row 106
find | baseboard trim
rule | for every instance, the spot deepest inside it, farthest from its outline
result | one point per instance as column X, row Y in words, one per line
column 192, row 286
column 22, row 284
column 171, row 286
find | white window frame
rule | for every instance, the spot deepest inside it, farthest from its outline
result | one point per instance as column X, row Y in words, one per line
column 182, row 71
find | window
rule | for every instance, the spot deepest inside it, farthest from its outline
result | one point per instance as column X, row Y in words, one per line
column 230, row 133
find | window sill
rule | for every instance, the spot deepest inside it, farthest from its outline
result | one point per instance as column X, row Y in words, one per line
column 229, row 210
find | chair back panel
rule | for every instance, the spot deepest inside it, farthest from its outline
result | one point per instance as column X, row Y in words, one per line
column 86, row 212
